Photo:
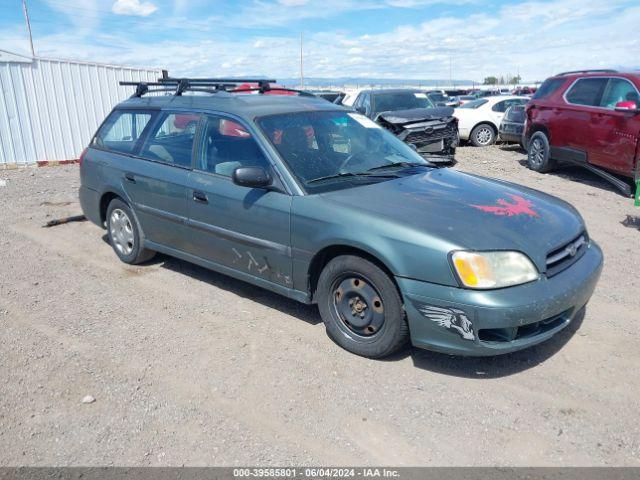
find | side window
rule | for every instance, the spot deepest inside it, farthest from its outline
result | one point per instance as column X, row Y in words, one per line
column 358, row 101
column 171, row 139
column 366, row 103
column 122, row 130
column 500, row 106
column 587, row 91
column 619, row 90
column 504, row 105
column 227, row 145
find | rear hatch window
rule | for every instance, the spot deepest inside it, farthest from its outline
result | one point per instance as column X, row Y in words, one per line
column 549, row 86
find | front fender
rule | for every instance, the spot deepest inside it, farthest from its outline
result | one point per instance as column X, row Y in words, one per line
column 405, row 251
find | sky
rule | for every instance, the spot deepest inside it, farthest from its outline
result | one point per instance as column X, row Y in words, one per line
column 399, row 39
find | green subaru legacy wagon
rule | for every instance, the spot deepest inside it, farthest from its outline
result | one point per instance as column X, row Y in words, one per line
column 318, row 203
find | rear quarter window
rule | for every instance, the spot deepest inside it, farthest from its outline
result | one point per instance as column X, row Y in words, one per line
column 122, row 130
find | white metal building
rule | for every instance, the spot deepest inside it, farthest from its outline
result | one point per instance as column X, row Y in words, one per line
column 49, row 108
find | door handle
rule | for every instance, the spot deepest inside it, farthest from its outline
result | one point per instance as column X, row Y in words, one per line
column 129, row 177
column 200, row 197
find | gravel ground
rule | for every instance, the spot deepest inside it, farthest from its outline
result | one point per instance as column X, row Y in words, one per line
column 188, row 367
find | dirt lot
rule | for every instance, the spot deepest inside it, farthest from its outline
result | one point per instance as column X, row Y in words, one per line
column 191, row 367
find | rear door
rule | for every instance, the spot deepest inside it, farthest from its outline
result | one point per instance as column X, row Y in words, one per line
column 243, row 229
column 614, row 135
column 157, row 182
column 582, row 105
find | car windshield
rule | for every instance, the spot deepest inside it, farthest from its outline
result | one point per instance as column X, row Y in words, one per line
column 475, row 103
column 333, row 149
column 389, row 102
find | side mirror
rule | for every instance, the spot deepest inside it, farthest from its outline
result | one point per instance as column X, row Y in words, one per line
column 627, row 106
column 251, row 177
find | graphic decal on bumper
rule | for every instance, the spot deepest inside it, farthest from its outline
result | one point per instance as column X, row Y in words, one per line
column 449, row 318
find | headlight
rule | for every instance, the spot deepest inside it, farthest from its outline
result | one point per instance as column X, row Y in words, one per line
column 483, row 270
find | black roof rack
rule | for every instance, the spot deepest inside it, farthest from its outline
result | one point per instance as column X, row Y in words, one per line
column 602, row 70
column 208, row 85
column 180, row 85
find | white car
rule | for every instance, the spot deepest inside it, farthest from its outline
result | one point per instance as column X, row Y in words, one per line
column 479, row 120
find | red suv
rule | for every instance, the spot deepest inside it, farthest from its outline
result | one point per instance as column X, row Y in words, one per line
column 588, row 118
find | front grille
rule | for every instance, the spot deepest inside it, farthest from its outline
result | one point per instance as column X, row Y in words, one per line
column 501, row 335
column 566, row 255
column 432, row 134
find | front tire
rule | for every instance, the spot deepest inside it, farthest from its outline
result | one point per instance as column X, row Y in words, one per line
column 124, row 234
column 361, row 307
column 538, row 154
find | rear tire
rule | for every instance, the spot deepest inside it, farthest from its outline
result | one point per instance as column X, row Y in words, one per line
column 125, row 235
column 539, row 153
column 483, row 135
column 361, row 307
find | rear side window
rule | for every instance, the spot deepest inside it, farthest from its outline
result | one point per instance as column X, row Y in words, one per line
column 504, row 105
column 587, row 91
column 171, row 139
column 122, row 130
column 548, row 87
column 619, row 90
column 474, row 104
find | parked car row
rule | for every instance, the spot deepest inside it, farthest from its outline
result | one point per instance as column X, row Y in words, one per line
column 586, row 118
column 479, row 120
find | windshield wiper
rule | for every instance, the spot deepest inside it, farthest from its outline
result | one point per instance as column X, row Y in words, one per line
column 350, row 174
column 398, row 165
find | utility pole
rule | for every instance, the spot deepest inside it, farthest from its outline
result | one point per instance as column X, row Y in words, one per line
column 26, row 17
column 301, row 64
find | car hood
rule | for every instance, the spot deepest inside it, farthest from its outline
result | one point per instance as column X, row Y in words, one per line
column 467, row 212
column 414, row 115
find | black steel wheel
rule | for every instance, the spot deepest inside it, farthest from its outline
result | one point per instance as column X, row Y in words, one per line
column 361, row 307
column 358, row 305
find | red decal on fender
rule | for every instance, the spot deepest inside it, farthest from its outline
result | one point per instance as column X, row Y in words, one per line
column 520, row 206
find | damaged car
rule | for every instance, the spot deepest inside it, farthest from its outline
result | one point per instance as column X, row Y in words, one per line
column 321, row 204
column 412, row 117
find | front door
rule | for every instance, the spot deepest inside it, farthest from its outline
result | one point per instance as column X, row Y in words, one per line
column 244, row 229
column 614, row 135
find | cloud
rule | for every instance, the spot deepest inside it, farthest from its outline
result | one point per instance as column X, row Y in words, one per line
column 536, row 38
column 293, row 3
column 133, row 7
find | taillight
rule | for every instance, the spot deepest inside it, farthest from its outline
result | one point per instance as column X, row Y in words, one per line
column 84, row 152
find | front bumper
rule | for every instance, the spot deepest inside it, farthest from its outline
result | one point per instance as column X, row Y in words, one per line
column 492, row 322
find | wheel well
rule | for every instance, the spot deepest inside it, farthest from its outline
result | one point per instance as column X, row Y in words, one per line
column 104, row 204
column 539, row 128
column 324, row 256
